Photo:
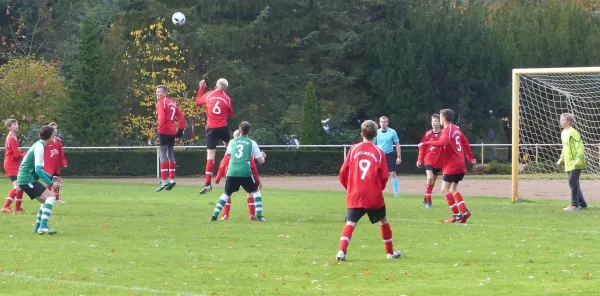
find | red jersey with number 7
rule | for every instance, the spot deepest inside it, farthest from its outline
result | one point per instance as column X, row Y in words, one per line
column 169, row 116
column 364, row 175
column 218, row 107
column 455, row 146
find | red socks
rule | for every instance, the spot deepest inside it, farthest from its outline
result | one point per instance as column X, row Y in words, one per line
column 9, row 199
column 210, row 165
column 460, row 203
column 227, row 207
column 19, row 200
column 428, row 190
column 172, row 166
column 251, row 207
column 164, row 170
column 345, row 239
column 452, row 203
column 386, row 235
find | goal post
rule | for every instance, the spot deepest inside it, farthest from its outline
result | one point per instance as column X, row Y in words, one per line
column 539, row 97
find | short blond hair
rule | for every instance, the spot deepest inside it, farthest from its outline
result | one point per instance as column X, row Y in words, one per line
column 384, row 118
column 53, row 124
column 222, row 84
column 9, row 122
column 369, row 129
column 569, row 117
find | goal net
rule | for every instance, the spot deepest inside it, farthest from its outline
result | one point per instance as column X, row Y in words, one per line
column 540, row 96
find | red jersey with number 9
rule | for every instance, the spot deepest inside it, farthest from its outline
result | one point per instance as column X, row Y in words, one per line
column 218, row 107
column 455, row 146
column 169, row 116
column 364, row 175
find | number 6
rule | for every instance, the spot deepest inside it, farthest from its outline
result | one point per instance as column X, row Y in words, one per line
column 216, row 109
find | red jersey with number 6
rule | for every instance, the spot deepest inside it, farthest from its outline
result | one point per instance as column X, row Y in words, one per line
column 218, row 107
column 455, row 146
column 169, row 116
column 364, row 175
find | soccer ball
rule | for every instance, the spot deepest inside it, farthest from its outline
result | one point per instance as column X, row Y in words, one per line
column 178, row 18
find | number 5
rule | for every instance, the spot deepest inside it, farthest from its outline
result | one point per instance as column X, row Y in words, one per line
column 458, row 147
column 216, row 109
column 364, row 166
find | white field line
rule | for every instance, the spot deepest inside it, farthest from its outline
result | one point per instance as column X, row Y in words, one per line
column 95, row 284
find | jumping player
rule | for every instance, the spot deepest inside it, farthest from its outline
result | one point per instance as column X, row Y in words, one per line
column 239, row 173
column 224, row 165
column 218, row 109
column 432, row 157
column 364, row 174
column 171, row 123
column 54, row 158
column 455, row 146
column 387, row 140
column 30, row 171
column 12, row 161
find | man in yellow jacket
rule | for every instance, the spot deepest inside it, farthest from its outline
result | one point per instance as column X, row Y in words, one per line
column 573, row 160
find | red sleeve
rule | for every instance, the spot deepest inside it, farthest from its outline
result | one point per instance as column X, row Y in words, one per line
column 14, row 146
column 422, row 149
column 61, row 153
column 201, row 97
column 160, row 113
column 230, row 109
column 254, row 170
column 384, row 172
column 344, row 171
column 222, row 168
column 442, row 141
column 467, row 148
column 180, row 118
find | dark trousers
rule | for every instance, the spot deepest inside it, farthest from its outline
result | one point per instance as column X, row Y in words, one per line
column 576, row 194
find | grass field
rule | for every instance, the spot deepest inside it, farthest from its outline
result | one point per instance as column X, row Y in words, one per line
column 125, row 239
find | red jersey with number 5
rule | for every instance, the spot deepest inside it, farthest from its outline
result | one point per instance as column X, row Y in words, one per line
column 455, row 146
column 218, row 107
column 169, row 116
column 364, row 175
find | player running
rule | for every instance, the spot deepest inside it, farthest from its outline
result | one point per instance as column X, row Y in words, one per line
column 218, row 109
column 387, row 140
column 455, row 146
column 432, row 157
column 364, row 174
column 171, row 123
column 239, row 172
column 54, row 158
column 30, row 171
column 224, row 166
column 12, row 161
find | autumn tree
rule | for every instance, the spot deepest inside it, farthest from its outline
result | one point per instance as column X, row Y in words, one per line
column 159, row 61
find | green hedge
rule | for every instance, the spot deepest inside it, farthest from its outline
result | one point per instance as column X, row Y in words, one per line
column 142, row 163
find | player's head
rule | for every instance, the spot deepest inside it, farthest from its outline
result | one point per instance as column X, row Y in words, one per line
column 46, row 133
column 566, row 120
column 12, row 124
column 222, row 84
column 244, row 128
column 55, row 126
column 446, row 116
column 383, row 122
column 435, row 121
column 236, row 133
column 161, row 91
column 368, row 130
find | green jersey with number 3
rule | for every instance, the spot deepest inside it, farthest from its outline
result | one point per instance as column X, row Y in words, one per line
column 241, row 150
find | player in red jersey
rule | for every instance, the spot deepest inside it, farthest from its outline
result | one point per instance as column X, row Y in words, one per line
column 218, row 109
column 455, row 146
column 12, row 161
column 54, row 158
column 364, row 175
column 224, row 165
column 431, row 157
column 171, row 123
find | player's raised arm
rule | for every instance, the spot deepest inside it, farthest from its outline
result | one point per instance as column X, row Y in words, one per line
column 201, row 96
column 467, row 148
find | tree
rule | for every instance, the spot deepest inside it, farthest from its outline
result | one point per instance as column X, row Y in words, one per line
column 312, row 132
column 159, row 61
column 90, row 113
column 32, row 90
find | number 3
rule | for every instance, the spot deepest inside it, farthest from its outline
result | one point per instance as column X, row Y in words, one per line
column 216, row 109
column 364, row 166
column 458, row 147
column 240, row 151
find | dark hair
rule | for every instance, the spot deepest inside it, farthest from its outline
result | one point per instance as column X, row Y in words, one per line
column 436, row 116
column 447, row 114
column 369, row 129
column 46, row 132
column 245, row 128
